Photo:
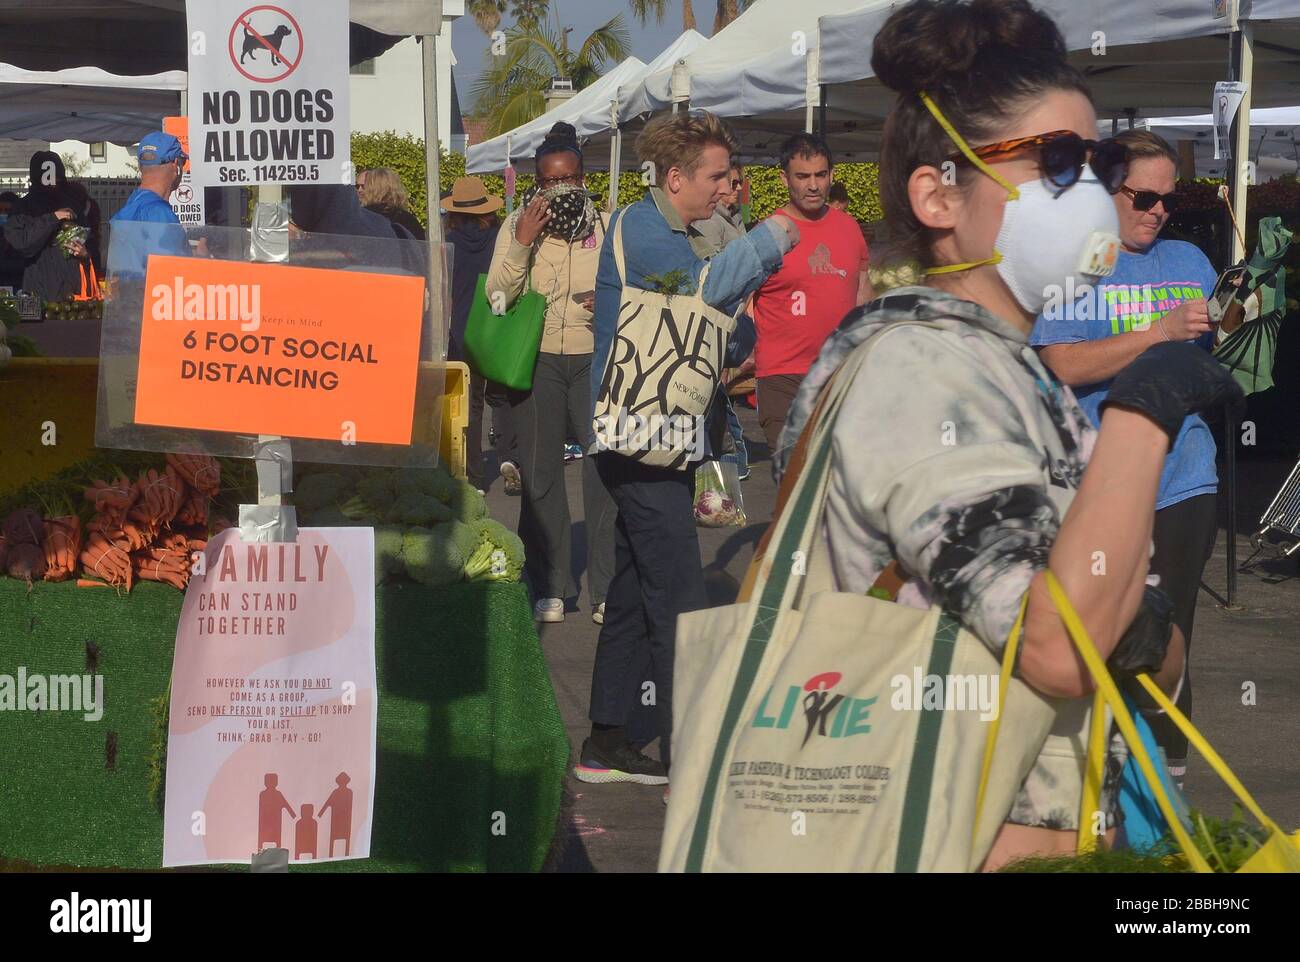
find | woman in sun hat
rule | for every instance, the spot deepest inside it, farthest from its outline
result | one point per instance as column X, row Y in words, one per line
column 472, row 226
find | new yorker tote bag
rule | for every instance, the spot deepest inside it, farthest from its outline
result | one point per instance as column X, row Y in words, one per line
column 790, row 751
column 662, row 372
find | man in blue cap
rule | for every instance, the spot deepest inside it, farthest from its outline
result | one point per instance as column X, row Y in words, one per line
column 161, row 161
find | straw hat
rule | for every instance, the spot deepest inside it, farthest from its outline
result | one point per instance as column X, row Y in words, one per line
column 469, row 196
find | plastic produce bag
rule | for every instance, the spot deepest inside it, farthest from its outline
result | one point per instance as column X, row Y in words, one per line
column 718, row 501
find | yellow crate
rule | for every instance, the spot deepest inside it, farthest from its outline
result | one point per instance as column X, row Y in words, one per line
column 52, row 399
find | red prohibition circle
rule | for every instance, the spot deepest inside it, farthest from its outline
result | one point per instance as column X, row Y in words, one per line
column 826, row 680
column 239, row 21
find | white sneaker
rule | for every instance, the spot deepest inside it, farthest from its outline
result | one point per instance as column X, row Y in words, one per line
column 598, row 613
column 549, row 610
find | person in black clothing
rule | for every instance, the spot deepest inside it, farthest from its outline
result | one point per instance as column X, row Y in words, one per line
column 472, row 226
column 381, row 191
column 11, row 265
column 33, row 228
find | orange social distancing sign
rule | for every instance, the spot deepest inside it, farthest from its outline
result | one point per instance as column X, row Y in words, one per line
column 300, row 352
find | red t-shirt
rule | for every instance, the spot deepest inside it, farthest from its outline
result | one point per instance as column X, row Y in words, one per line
column 797, row 307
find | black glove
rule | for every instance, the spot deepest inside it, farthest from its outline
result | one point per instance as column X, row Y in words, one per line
column 1169, row 381
column 1143, row 646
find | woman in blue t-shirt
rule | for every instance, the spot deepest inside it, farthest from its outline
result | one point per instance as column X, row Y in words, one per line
column 1157, row 293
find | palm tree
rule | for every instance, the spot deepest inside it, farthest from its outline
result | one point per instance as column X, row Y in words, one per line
column 644, row 9
column 529, row 13
column 724, row 11
column 512, row 90
column 486, row 13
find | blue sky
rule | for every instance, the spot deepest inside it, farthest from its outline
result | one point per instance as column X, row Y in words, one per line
column 471, row 44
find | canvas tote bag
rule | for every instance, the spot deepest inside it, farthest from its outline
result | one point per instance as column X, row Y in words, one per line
column 662, row 372
column 791, row 749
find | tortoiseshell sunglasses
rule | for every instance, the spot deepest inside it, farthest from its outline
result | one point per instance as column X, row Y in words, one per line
column 1064, row 154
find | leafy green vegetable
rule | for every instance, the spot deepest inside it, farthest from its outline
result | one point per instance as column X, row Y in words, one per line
column 498, row 555
column 433, row 557
column 414, row 507
column 317, row 491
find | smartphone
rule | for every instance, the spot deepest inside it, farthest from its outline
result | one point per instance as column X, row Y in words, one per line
column 1226, row 290
column 581, row 296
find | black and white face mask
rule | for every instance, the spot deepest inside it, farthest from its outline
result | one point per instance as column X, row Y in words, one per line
column 573, row 214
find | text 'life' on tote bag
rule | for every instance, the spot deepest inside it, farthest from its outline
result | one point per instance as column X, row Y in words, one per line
column 788, row 751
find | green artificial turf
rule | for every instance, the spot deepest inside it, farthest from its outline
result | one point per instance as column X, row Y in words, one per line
column 468, row 728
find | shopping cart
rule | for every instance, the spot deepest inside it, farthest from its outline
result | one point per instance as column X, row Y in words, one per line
column 1281, row 522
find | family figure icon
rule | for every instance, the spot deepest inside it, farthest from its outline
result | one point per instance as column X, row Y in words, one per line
column 271, row 804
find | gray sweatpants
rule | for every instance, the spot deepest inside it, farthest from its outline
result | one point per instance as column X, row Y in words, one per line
column 559, row 407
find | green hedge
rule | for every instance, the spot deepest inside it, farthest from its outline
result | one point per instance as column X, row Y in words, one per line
column 405, row 154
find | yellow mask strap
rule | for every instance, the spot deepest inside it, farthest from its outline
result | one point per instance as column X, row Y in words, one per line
column 954, row 268
column 1012, row 192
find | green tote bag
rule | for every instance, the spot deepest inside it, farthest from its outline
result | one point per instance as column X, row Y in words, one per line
column 503, row 347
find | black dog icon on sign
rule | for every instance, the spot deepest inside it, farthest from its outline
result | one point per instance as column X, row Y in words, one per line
column 252, row 44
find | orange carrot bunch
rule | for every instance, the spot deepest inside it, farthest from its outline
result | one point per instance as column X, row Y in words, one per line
column 158, row 498
column 168, row 562
column 62, row 546
column 107, row 561
column 201, row 472
column 194, row 507
column 112, row 499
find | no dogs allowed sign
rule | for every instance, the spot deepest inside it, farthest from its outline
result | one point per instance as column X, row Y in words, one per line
column 269, row 92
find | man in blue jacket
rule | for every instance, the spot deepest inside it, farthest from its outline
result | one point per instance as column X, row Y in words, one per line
column 146, row 224
column 657, row 571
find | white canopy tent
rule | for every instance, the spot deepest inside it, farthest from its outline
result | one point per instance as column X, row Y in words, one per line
column 587, row 110
column 1274, row 141
column 85, row 103
column 636, row 97
column 1140, row 60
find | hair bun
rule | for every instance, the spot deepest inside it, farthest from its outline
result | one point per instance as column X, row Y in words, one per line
column 930, row 44
column 562, row 133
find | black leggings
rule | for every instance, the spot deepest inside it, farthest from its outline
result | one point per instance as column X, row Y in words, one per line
column 1184, row 536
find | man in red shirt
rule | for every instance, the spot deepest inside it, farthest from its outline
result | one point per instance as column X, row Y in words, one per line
column 823, row 278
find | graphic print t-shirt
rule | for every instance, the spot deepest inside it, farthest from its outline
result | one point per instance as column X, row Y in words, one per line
column 1144, row 288
column 817, row 284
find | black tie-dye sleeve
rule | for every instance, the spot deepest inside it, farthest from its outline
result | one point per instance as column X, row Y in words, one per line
column 934, row 448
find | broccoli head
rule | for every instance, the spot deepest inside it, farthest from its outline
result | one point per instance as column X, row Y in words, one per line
column 316, row 492
column 434, row 556
column 467, row 504
column 431, row 481
column 413, row 507
column 498, row 555
column 389, row 542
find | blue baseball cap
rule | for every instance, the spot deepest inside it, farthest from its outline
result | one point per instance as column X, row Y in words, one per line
column 159, row 148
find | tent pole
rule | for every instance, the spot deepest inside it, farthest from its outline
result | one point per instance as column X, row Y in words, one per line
column 821, row 112
column 1241, row 157
column 615, row 148
column 1241, row 149
column 432, row 178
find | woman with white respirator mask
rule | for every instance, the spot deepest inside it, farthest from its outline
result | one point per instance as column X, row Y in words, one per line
column 961, row 468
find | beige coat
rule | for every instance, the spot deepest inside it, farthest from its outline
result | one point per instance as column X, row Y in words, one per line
column 559, row 271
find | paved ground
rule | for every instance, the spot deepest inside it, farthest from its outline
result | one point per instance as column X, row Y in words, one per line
column 616, row 828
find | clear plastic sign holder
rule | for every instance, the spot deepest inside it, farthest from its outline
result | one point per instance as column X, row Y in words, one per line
column 273, row 244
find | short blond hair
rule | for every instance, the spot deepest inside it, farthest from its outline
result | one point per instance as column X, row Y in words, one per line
column 1144, row 143
column 678, row 140
column 384, row 186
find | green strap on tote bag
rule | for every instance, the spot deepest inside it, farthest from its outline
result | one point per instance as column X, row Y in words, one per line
column 503, row 347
